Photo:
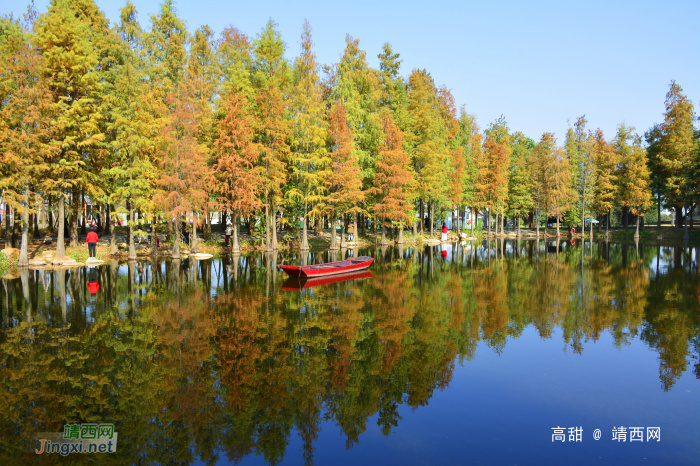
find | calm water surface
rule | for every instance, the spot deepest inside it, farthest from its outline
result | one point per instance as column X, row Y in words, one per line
column 467, row 355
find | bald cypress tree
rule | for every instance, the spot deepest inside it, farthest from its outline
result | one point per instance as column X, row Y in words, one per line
column 271, row 79
column 605, row 191
column 393, row 181
column 309, row 155
column 64, row 38
column 344, row 181
column 678, row 152
column 26, row 132
column 635, row 182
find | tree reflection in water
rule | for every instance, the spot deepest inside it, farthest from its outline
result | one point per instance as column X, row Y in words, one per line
column 197, row 359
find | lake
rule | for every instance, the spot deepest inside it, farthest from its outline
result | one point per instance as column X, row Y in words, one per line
column 500, row 352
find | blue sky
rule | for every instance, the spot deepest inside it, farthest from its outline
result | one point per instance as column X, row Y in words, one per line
column 539, row 63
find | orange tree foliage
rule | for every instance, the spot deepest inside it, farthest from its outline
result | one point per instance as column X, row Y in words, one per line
column 344, row 183
column 605, row 187
column 26, row 132
column 182, row 187
column 240, row 175
column 393, row 180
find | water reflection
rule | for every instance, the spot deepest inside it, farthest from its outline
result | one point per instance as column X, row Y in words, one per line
column 193, row 359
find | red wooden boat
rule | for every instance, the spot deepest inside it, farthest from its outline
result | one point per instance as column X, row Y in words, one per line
column 331, row 268
column 297, row 283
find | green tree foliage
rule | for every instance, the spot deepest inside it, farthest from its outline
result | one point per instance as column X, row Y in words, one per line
column 606, row 161
column 64, row 37
column 428, row 141
column 271, row 79
column 520, row 198
column 678, row 150
column 309, row 158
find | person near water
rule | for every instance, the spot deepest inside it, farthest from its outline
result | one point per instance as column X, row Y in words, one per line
column 92, row 239
column 228, row 233
column 350, row 236
column 185, row 234
column 444, row 232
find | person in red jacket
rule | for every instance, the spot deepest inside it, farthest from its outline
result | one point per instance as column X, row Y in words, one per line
column 92, row 242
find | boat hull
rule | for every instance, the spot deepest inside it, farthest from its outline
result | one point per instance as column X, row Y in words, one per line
column 331, row 268
column 297, row 283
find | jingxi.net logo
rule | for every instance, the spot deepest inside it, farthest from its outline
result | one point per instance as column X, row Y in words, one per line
column 77, row 438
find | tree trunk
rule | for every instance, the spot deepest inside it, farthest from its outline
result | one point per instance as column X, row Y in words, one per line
column 304, row 235
column 50, row 230
column 400, row 240
column 194, row 243
column 37, row 234
column 625, row 218
column 268, row 245
column 154, row 235
column 8, row 227
column 23, row 260
column 692, row 209
column 685, row 222
column 354, row 227
column 415, row 229
column 236, row 249
column 75, row 212
column 132, row 247
column 607, row 226
column 519, row 220
column 113, row 236
column 453, row 221
column 334, row 239
column 83, row 230
column 60, row 242
column 537, row 221
column 558, row 235
column 658, row 209
column 107, row 221
column 273, row 219
column 176, row 240
column 16, row 226
column 422, row 217
column 636, row 233
column 431, row 206
column 343, row 242
column 207, row 224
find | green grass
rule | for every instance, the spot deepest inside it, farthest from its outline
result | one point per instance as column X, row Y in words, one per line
column 5, row 264
column 79, row 256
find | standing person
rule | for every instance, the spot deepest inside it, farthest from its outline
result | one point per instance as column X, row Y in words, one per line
column 185, row 234
column 444, row 232
column 92, row 239
column 350, row 236
column 229, row 232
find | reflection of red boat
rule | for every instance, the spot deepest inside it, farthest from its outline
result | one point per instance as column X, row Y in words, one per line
column 331, row 268
column 296, row 283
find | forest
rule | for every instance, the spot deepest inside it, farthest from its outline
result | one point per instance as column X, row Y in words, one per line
column 163, row 125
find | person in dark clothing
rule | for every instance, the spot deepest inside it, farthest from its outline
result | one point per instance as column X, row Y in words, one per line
column 92, row 239
column 185, row 234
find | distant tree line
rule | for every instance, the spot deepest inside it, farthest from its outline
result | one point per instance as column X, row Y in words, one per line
column 164, row 125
